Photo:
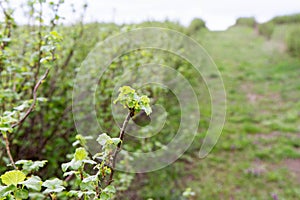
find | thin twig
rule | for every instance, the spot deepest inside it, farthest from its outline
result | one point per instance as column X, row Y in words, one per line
column 34, row 98
column 8, row 152
column 121, row 137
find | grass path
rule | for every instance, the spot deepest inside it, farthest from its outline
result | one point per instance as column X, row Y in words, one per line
column 258, row 154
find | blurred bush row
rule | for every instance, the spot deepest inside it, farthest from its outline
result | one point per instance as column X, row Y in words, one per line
column 266, row 29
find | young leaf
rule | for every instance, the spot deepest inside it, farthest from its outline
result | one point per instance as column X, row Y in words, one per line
column 110, row 189
column 5, row 129
column 6, row 190
column 54, row 185
column 104, row 196
column 80, row 193
column 88, row 161
column 74, row 164
column 130, row 99
column 69, row 173
column 116, row 141
column 30, row 166
column 75, row 193
column 90, row 179
column 108, row 193
column 13, row 177
column 80, row 154
column 21, row 194
column 33, row 182
column 103, row 138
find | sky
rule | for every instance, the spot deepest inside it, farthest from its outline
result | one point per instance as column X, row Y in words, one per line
column 218, row 14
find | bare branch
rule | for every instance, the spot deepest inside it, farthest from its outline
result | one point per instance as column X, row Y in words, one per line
column 8, row 151
column 34, row 98
column 119, row 147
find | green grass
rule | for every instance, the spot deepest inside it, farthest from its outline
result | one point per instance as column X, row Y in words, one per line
column 261, row 131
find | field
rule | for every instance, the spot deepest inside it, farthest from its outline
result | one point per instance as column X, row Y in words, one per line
column 256, row 157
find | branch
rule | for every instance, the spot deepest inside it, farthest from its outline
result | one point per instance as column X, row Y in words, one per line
column 121, row 137
column 8, row 151
column 34, row 99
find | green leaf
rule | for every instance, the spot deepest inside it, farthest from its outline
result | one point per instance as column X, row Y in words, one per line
column 103, row 138
column 90, row 179
column 75, row 193
column 33, row 182
column 87, row 186
column 89, row 162
column 13, row 177
column 65, row 166
column 72, row 164
column 21, row 194
column 22, row 106
column 8, row 117
column 188, row 192
column 82, row 140
column 56, row 36
column 110, row 189
column 126, row 90
column 36, row 165
column 69, row 173
column 108, row 193
column 5, row 129
column 80, row 193
column 42, row 99
column 80, row 154
column 24, row 162
column 30, row 166
column 6, row 190
column 130, row 99
column 147, row 109
column 54, row 185
column 104, row 196
column 116, row 141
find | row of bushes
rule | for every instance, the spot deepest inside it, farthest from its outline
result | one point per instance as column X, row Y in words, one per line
column 287, row 19
column 195, row 25
column 266, row 29
column 293, row 36
column 293, row 42
column 246, row 21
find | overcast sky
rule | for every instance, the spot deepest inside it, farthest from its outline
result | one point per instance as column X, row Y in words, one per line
column 218, row 14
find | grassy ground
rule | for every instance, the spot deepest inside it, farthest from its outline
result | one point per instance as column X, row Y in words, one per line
column 258, row 154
